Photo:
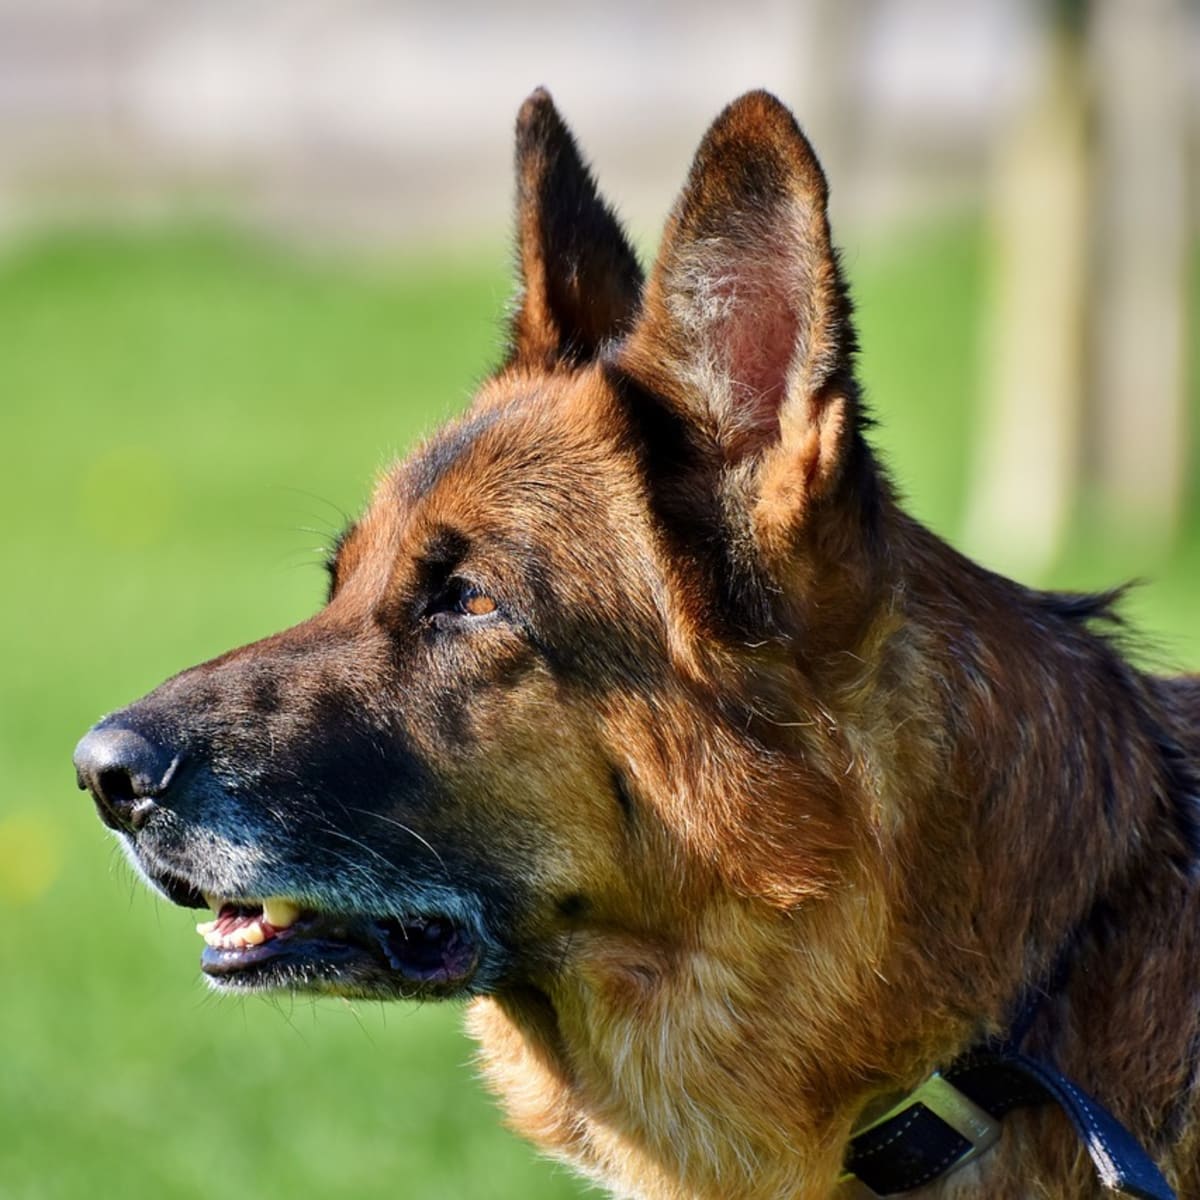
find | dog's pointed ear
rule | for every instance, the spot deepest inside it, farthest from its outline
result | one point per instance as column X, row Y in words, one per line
column 745, row 327
column 580, row 281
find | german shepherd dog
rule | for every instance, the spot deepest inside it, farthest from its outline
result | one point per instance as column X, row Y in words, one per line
column 642, row 716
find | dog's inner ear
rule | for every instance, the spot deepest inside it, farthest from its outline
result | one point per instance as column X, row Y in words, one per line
column 745, row 326
column 580, row 281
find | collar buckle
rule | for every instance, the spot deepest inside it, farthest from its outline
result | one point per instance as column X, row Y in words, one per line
column 975, row 1126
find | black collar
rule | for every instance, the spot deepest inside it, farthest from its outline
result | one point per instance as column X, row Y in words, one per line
column 955, row 1115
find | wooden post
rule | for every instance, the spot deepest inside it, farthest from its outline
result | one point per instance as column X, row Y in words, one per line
column 1137, row 423
column 1027, row 443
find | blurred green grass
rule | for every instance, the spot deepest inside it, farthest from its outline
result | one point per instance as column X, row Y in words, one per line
column 187, row 416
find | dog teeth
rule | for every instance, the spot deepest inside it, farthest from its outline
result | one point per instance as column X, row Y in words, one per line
column 252, row 934
column 279, row 913
column 236, row 930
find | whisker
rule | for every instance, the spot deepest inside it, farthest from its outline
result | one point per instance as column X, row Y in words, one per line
column 343, row 515
column 362, row 846
column 370, row 893
column 366, row 812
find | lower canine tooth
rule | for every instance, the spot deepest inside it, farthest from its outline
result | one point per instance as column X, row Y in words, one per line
column 253, row 935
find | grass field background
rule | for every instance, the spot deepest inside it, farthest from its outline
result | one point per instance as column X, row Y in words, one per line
column 186, row 416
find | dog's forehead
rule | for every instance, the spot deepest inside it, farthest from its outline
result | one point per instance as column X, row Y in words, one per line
column 536, row 451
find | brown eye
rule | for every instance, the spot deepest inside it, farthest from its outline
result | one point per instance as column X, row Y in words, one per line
column 461, row 599
column 476, row 603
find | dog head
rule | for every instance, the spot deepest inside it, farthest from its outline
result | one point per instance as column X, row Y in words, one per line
column 568, row 677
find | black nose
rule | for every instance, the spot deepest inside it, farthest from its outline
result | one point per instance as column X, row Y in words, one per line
column 125, row 771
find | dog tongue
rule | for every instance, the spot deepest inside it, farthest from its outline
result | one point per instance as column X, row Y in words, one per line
column 238, row 926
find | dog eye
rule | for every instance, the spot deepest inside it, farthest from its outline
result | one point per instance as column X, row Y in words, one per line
column 474, row 603
column 463, row 599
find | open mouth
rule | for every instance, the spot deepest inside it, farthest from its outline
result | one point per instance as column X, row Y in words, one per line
column 275, row 942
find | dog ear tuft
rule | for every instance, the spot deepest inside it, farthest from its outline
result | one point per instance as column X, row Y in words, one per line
column 580, row 281
column 745, row 328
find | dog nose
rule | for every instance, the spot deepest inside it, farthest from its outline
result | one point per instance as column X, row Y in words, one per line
column 125, row 771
